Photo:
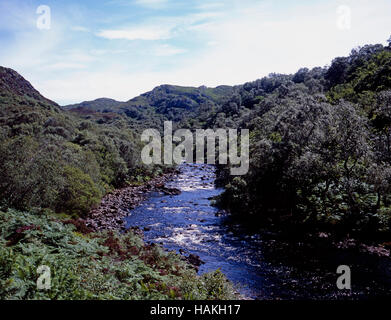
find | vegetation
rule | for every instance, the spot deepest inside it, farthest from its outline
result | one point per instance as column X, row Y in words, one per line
column 56, row 160
column 320, row 161
column 93, row 266
column 187, row 106
column 56, row 165
column 319, row 147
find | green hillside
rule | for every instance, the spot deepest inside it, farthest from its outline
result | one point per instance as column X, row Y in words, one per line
column 320, row 151
column 55, row 159
column 320, row 163
column 166, row 102
column 54, row 167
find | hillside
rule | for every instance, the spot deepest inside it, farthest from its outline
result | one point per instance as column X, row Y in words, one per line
column 320, row 171
column 54, row 159
column 98, row 105
column 13, row 84
column 166, row 102
column 319, row 141
column 320, row 151
column 55, row 167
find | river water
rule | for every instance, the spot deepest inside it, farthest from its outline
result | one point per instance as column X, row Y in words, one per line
column 189, row 222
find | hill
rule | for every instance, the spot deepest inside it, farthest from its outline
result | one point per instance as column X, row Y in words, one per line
column 165, row 102
column 320, row 146
column 54, row 159
column 13, row 84
column 55, row 166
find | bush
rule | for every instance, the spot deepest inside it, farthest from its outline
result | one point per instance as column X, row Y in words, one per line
column 79, row 193
column 93, row 266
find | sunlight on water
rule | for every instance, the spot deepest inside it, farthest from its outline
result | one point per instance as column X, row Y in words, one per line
column 189, row 222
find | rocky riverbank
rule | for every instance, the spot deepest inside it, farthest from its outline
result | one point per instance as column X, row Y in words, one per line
column 115, row 206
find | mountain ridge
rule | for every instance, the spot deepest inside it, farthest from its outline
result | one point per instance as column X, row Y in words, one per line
column 171, row 102
column 12, row 83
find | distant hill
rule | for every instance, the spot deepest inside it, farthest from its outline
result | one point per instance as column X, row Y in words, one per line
column 164, row 102
column 98, row 105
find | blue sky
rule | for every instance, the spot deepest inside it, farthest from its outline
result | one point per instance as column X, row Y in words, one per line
column 122, row 48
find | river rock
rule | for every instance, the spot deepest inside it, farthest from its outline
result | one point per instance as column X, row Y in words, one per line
column 171, row 191
column 194, row 260
column 115, row 206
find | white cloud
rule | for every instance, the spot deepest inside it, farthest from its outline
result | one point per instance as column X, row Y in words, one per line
column 137, row 33
column 210, row 5
column 101, row 52
column 153, row 4
column 77, row 56
column 80, row 29
column 160, row 28
column 233, row 46
column 167, row 50
column 84, row 85
column 255, row 41
column 65, row 66
column 241, row 48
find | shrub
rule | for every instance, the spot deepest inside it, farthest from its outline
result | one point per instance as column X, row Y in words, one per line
column 79, row 192
column 91, row 266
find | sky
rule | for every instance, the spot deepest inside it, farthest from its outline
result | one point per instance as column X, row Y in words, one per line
column 121, row 48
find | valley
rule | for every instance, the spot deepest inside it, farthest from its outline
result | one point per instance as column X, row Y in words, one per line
column 77, row 196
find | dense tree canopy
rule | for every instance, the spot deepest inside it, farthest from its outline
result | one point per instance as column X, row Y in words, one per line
column 60, row 160
column 320, row 151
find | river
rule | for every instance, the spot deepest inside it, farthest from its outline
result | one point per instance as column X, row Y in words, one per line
column 189, row 222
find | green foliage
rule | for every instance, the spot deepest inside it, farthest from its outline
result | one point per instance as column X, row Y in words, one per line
column 79, row 193
column 320, row 146
column 93, row 266
column 316, row 161
column 367, row 70
column 54, row 159
column 236, row 196
column 26, row 169
column 186, row 105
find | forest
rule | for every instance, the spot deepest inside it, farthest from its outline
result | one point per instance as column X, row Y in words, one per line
column 320, row 147
column 320, row 161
